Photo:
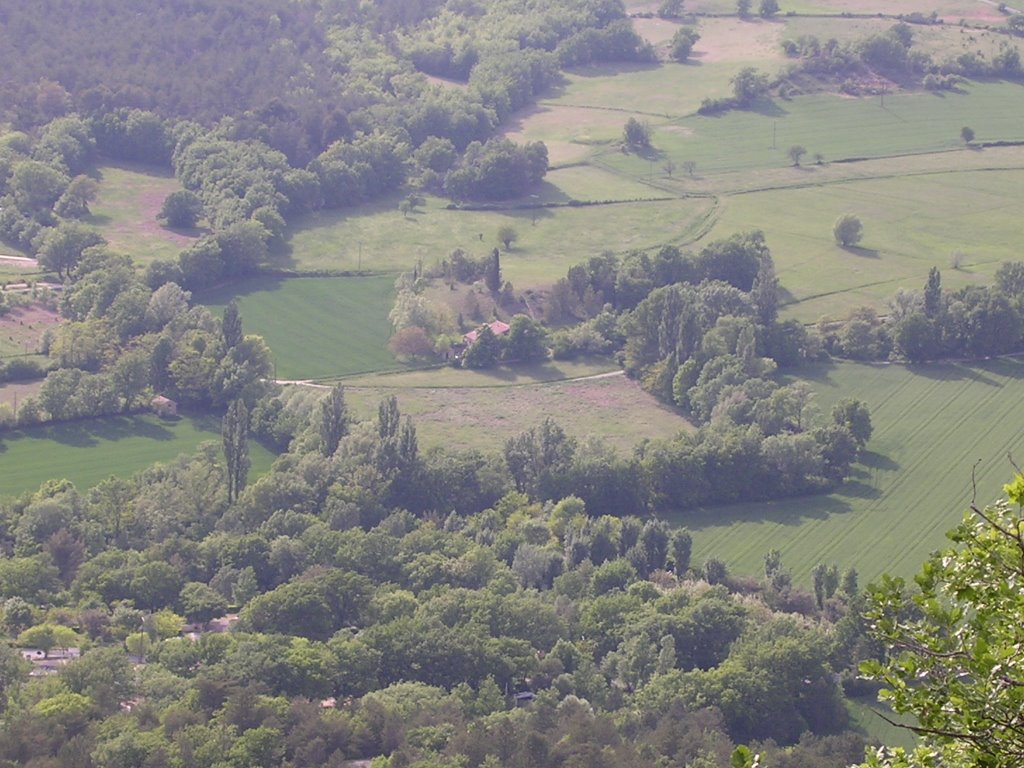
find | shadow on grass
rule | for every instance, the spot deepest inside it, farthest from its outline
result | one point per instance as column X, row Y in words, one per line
column 856, row 250
column 952, row 372
column 222, row 294
column 767, row 108
column 873, row 460
column 85, row 434
column 794, row 511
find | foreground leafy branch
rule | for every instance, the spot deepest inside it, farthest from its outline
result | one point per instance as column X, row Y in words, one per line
column 956, row 645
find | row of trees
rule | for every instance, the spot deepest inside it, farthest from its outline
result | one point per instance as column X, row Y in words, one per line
column 928, row 324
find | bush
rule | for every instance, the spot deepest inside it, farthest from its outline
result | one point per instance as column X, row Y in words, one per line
column 21, row 369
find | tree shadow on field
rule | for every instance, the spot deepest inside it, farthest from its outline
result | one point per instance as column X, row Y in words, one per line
column 247, row 286
column 856, row 250
column 767, row 108
column 951, row 371
column 795, row 511
column 89, row 433
column 873, row 460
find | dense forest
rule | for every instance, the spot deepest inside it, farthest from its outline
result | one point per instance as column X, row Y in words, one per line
column 366, row 599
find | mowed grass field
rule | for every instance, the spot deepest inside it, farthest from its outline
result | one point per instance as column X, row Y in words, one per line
column 612, row 408
column 834, row 126
column 125, row 212
column 316, row 327
column 550, row 239
column 911, row 223
column 933, row 425
column 86, row 452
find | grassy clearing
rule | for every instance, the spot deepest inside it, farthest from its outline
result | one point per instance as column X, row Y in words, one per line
column 86, row 452
column 550, row 240
column 910, row 224
column 316, row 327
column 932, row 423
column 14, row 393
column 125, row 210
column 612, row 408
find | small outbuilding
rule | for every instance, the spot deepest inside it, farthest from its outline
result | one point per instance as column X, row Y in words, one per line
column 164, row 407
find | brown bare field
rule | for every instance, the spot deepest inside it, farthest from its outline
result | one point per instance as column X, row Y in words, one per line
column 22, row 329
column 733, row 39
column 612, row 408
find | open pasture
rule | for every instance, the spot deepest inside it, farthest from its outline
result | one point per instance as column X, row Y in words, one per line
column 125, row 211
column 550, row 239
column 316, row 327
column 611, row 407
column 911, row 224
column 836, row 127
column 86, row 452
column 932, row 423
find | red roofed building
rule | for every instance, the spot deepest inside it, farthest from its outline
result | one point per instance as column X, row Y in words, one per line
column 498, row 328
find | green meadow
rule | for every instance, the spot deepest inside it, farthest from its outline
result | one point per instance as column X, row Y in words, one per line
column 126, row 208
column 934, row 426
column 316, row 327
column 379, row 237
column 86, row 452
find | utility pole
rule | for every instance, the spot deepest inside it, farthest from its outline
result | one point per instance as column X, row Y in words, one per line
column 774, row 125
column 359, row 268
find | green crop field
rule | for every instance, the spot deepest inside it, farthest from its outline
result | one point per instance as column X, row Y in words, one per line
column 316, row 327
column 932, row 424
column 125, row 211
column 86, row 452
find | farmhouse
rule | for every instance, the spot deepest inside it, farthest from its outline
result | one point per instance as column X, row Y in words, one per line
column 498, row 328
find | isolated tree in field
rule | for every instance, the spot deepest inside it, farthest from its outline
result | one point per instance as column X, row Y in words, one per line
column 690, row 166
column 954, row 644
column 181, row 209
column 743, row 8
column 748, row 85
column 235, row 438
column 507, row 235
column 682, row 43
column 636, row 133
column 848, row 230
column 333, row 420
column 669, row 168
column 795, row 153
column 768, row 8
column 967, row 134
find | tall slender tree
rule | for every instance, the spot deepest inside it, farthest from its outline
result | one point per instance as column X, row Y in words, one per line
column 235, row 436
column 231, row 325
column 933, row 293
column 333, row 420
